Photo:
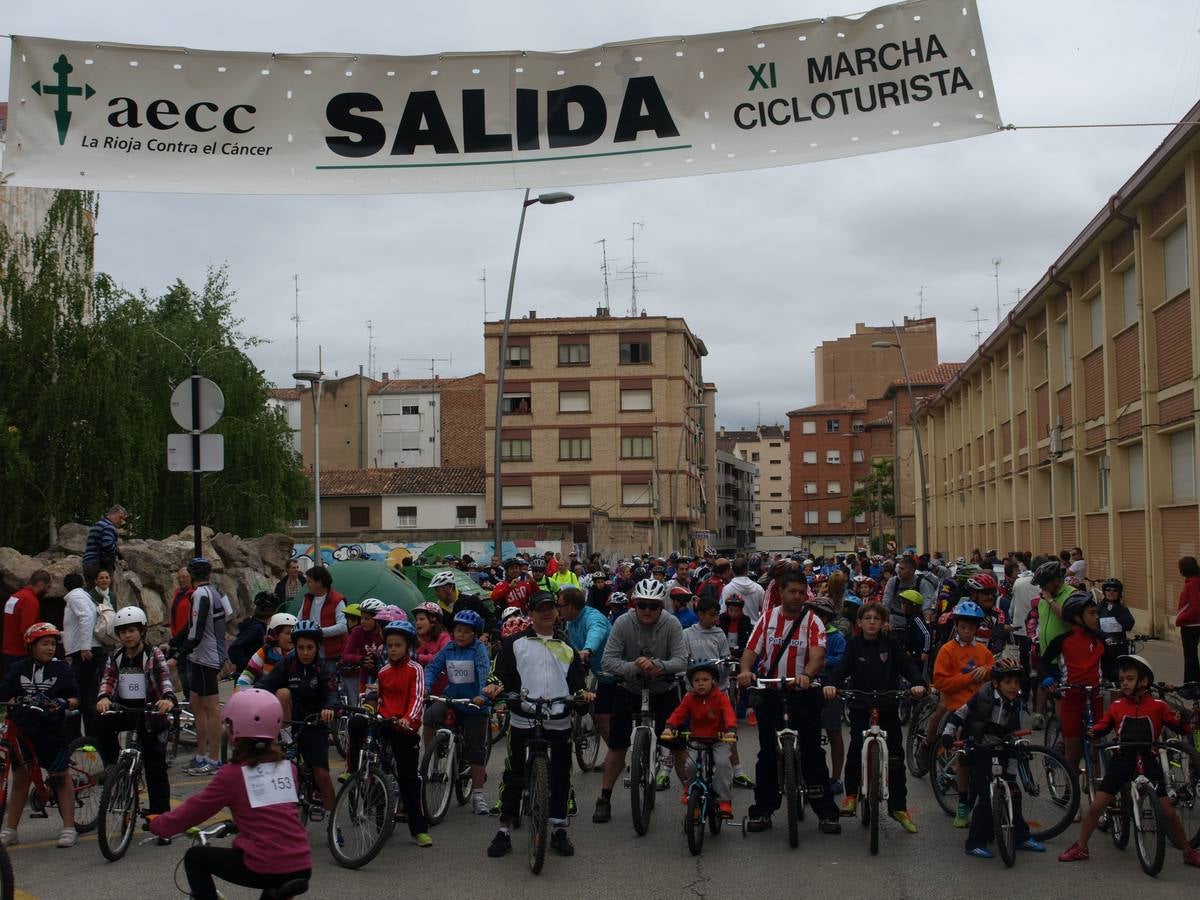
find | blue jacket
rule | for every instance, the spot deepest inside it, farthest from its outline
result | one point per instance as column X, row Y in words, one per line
column 687, row 618
column 835, row 648
column 101, row 546
column 589, row 631
column 466, row 668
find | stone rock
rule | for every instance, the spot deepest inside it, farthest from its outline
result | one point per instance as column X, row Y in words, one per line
column 72, row 539
column 236, row 553
column 156, row 562
column 15, row 569
column 59, row 569
column 275, row 550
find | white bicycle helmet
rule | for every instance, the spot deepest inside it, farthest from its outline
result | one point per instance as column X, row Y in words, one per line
column 129, row 615
column 279, row 620
column 650, row 589
column 371, row 605
column 442, row 579
column 509, row 612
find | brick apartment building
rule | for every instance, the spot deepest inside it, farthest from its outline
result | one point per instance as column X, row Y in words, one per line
column 767, row 448
column 828, row 456
column 849, row 368
column 606, row 416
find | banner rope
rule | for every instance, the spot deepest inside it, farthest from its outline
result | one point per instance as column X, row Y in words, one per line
column 1011, row 127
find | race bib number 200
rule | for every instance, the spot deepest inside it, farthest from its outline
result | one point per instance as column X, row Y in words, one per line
column 270, row 783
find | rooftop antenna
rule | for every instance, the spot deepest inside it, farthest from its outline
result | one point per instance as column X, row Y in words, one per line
column 921, row 302
column 1018, row 292
column 432, row 360
column 978, row 320
column 996, row 276
column 634, row 273
column 759, row 422
column 482, row 279
column 370, row 349
column 296, row 318
column 604, row 267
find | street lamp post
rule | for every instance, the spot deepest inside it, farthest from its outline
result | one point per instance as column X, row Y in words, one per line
column 548, row 199
column 675, row 472
column 912, row 418
column 316, row 381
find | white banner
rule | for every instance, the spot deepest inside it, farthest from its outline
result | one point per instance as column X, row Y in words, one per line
column 122, row 117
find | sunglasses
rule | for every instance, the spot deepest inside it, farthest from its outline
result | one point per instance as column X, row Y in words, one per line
column 649, row 606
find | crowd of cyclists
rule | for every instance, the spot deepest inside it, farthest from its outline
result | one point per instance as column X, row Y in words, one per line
column 995, row 644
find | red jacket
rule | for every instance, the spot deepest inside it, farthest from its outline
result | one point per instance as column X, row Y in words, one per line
column 1189, row 604
column 709, row 715
column 332, row 646
column 20, row 611
column 402, row 692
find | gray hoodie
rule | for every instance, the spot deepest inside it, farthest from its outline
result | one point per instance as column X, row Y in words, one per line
column 662, row 642
column 707, row 643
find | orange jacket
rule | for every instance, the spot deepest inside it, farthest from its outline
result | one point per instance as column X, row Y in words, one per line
column 952, row 671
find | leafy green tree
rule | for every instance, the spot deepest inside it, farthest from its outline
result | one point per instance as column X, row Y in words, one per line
column 877, row 493
column 86, row 407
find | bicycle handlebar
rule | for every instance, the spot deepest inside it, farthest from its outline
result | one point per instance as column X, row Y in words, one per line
column 851, row 693
column 452, row 701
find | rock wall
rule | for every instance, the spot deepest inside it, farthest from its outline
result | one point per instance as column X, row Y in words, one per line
column 146, row 576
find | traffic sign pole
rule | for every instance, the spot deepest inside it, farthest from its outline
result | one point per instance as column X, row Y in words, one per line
column 197, row 539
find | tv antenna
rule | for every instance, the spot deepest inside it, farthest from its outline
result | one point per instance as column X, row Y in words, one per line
column 759, row 407
column 1018, row 292
column 295, row 317
column 978, row 320
column 604, row 267
column 432, row 360
column 996, row 276
column 921, row 302
column 482, row 279
column 370, row 349
column 633, row 272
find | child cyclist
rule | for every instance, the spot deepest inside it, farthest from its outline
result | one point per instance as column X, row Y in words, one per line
column 400, row 695
column 276, row 645
column 991, row 715
column 961, row 669
column 707, row 640
column 1078, row 653
column 465, row 662
column 918, row 640
column 710, row 716
column 1138, row 720
column 875, row 661
column 363, row 650
column 45, row 682
column 259, row 787
column 136, row 677
column 304, row 689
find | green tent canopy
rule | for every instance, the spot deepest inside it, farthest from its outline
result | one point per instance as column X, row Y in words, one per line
column 422, row 575
column 359, row 579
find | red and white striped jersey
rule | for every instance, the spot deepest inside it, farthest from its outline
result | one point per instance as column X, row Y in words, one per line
column 768, row 635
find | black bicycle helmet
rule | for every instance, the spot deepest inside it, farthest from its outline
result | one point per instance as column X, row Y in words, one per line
column 1113, row 584
column 200, row 567
column 1074, row 605
column 1047, row 572
column 703, row 665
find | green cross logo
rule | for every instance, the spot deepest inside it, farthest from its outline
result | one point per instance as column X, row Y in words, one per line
column 64, row 91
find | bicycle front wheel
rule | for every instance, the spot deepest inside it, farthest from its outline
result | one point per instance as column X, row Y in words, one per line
column 118, row 811
column 1150, row 829
column 916, row 746
column 693, row 821
column 791, row 788
column 1051, row 790
column 641, row 781
column 362, row 819
column 339, row 734
column 1120, row 818
column 437, row 775
column 1002, row 821
column 84, row 768
column 871, row 807
column 539, row 812
column 587, row 741
column 943, row 776
column 1183, row 782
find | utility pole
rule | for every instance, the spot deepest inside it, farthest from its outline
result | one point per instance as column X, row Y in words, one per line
column 296, row 317
column 604, row 268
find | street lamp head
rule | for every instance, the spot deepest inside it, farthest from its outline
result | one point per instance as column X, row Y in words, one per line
column 309, row 376
column 883, row 345
column 555, row 197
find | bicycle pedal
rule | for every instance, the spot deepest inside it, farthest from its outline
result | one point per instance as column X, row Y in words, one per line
column 626, row 781
column 39, row 814
column 316, row 815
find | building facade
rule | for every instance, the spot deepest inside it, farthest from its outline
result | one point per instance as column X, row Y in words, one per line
column 767, row 447
column 602, row 413
column 288, row 400
column 736, row 483
column 849, row 368
column 828, row 458
column 1074, row 423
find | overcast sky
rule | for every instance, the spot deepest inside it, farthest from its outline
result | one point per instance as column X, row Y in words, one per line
column 763, row 265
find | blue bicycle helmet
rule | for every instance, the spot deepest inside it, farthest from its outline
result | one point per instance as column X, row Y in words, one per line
column 704, row 665
column 968, row 609
column 405, row 628
column 471, row 619
column 307, row 628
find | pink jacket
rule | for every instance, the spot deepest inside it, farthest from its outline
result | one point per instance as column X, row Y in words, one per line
column 425, row 654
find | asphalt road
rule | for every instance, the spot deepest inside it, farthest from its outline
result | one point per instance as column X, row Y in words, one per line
column 612, row 861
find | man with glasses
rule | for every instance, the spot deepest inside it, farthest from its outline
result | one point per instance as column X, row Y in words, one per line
column 645, row 648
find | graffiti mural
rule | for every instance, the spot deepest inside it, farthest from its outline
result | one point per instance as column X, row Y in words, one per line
column 395, row 552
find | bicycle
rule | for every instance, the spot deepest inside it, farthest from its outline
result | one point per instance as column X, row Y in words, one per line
column 874, row 787
column 703, row 807
column 363, row 814
column 916, row 746
column 120, row 801
column 1054, row 740
column 84, row 767
column 648, row 759
column 444, row 766
column 1140, row 813
column 1051, row 792
column 791, row 777
column 1182, row 763
column 585, row 737
column 312, row 807
column 183, row 729
column 535, row 793
column 1000, row 792
column 203, row 836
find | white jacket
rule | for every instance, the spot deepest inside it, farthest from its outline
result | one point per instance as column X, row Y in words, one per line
column 79, row 621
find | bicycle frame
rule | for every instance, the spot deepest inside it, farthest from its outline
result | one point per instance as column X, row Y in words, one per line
column 874, row 735
column 779, row 686
column 1090, row 750
column 645, row 722
column 18, row 751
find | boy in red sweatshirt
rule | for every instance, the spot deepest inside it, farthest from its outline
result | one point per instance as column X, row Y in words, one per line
column 711, row 717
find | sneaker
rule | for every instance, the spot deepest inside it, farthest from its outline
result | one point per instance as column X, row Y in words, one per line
column 495, row 810
column 849, row 805
column 743, row 781
column 344, row 777
column 758, row 823
column 905, row 820
column 1191, row 857
column 8, row 837
column 980, row 852
column 203, row 770
column 1038, row 723
column 67, row 838
column 1032, row 845
column 1075, row 853
column 662, row 782
column 603, row 811
column 479, row 805
column 684, row 798
column 501, row 844
column 561, row 844
column 830, row 826
column 163, row 842
column 751, row 717
column 423, row 839
column 962, row 815
column 726, row 810
column 572, row 809
column 835, row 787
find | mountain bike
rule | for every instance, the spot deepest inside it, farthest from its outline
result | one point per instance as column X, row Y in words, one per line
column 363, row 814
column 535, row 792
column 444, row 767
column 791, row 776
column 647, row 760
column 203, row 836
column 874, row 787
column 1092, row 768
column 585, row 737
column 916, row 746
column 312, row 807
column 1140, row 813
column 83, row 768
column 120, row 801
column 182, row 729
column 703, row 806
column 1000, row 790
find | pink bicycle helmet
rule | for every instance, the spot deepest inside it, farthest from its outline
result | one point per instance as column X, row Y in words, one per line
column 391, row 614
column 253, row 713
column 430, row 609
